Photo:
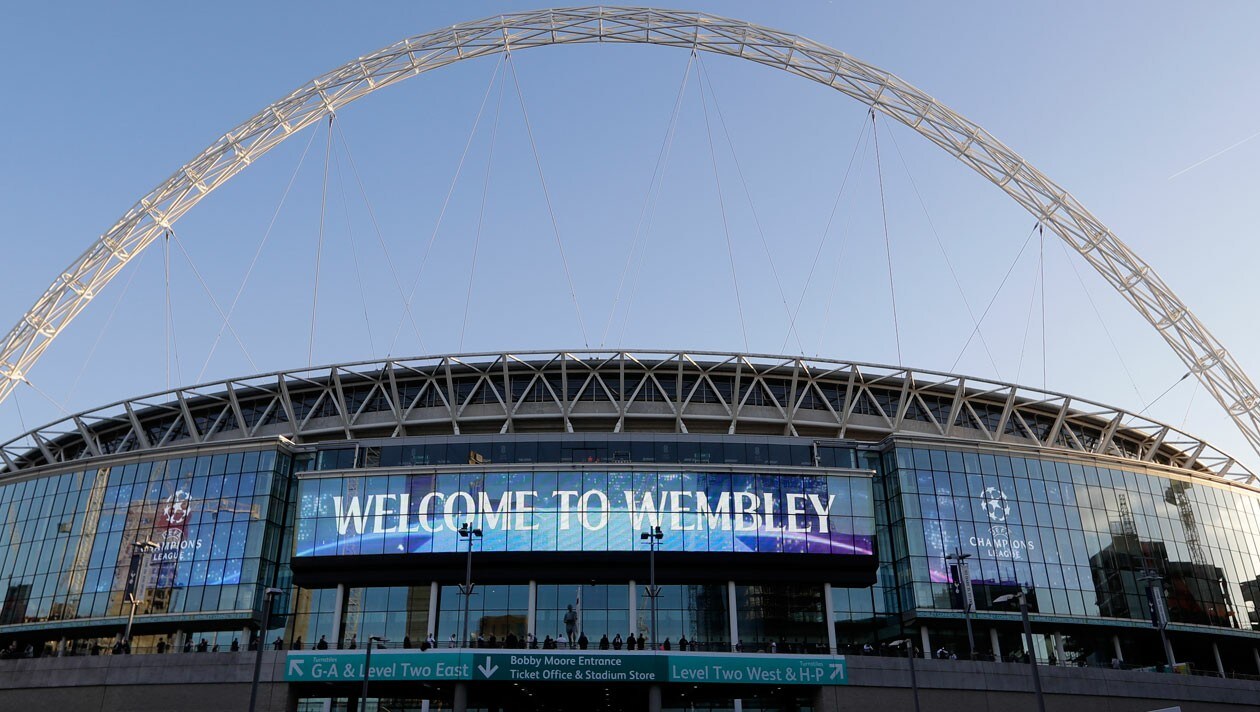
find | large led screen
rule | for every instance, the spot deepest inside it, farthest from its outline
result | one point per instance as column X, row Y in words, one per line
column 586, row 511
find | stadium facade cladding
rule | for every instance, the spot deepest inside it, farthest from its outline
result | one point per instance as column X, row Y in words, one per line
column 806, row 506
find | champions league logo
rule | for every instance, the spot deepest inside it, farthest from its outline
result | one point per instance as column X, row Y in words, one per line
column 174, row 546
column 993, row 501
column 999, row 544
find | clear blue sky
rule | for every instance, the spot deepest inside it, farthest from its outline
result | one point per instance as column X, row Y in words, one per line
column 1112, row 100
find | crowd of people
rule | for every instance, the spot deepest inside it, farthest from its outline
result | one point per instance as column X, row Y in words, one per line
column 562, row 641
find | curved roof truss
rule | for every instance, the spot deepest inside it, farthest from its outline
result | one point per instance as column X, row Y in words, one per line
column 599, row 391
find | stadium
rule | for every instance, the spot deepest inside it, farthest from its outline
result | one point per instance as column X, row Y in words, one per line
column 805, row 508
column 611, row 529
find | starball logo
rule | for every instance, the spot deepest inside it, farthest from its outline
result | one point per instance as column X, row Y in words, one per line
column 176, row 510
column 994, row 503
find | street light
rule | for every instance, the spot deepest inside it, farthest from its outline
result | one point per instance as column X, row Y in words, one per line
column 133, row 580
column 269, row 597
column 1159, row 610
column 467, row 532
column 367, row 670
column 962, row 579
column 1032, row 657
column 653, row 537
column 908, row 644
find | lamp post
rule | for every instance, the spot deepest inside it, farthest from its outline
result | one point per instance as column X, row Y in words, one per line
column 269, row 597
column 653, row 537
column 133, row 582
column 908, row 644
column 466, row 531
column 1032, row 657
column 367, row 670
column 962, row 579
column 1159, row 611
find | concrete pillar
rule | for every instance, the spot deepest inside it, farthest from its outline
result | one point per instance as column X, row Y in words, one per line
column 531, row 614
column 654, row 698
column 61, row 646
column 339, row 614
column 926, row 641
column 829, row 613
column 1216, row 655
column 993, row 643
column 434, row 591
column 739, row 705
column 1115, row 643
column 1058, row 648
column 460, row 703
column 731, row 613
column 634, row 607
column 180, row 636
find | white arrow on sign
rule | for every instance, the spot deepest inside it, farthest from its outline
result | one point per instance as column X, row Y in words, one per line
column 295, row 666
column 488, row 669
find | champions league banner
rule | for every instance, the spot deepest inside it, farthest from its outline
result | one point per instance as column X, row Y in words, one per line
column 575, row 511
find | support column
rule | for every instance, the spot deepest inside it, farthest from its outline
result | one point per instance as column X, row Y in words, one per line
column 654, row 699
column 531, row 614
column 460, row 703
column 996, row 645
column 1216, row 655
column 733, row 621
column 434, row 591
column 1115, row 643
column 339, row 615
column 1058, row 648
column 179, row 640
column 61, row 646
column 829, row 611
column 634, row 607
column 927, row 641
column 1255, row 653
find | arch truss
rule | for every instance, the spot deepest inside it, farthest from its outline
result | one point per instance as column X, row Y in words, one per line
column 156, row 212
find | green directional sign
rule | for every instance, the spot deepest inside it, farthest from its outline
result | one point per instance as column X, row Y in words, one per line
column 562, row 666
column 332, row 666
column 566, row 666
column 758, row 669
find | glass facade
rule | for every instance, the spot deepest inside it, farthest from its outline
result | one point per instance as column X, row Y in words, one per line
column 1084, row 536
column 1081, row 537
column 195, row 534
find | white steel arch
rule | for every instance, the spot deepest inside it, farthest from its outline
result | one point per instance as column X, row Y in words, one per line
column 156, row 212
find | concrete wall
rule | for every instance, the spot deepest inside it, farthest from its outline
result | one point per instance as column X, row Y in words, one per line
column 210, row 682
column 190, row 682
column 956, row 686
